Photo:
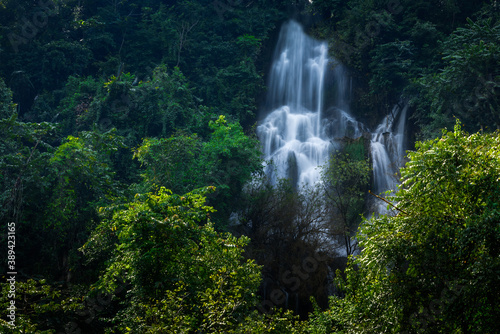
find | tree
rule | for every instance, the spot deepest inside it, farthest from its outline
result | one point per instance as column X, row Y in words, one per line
column 344, row 180
column 288, row 228
column 83, row 180
column 434, row 267
column 38, row 308
column 386, row 44
column 137, row 109
column 6, row 105
column 183, row 275
column 25, row 181
column 467, row 86
column 184, row 162
column 52, row 193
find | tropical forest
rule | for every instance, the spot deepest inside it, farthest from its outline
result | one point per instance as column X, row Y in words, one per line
column 249, row 166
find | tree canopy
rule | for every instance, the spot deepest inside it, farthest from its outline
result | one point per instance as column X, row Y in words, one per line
column 433, row 264
column 128, row 153
column 184, row 276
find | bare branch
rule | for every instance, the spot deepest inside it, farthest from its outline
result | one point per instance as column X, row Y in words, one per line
column 383, row 199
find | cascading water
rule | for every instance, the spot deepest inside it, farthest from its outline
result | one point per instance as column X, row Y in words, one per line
column 292, row 134
column 298, row 134
column 387, row 152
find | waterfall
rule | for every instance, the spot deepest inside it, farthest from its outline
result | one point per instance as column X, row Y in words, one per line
column 298, row 133
column 387, row 152
column 292, row 134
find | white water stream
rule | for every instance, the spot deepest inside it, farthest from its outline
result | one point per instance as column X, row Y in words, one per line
column 292, row 134
column 295, row 135
column 387, row 152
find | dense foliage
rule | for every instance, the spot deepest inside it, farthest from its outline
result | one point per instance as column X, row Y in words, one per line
column 288, row 229
column 227, row 160
column 183, row 275
column 467, row 86
column 441, row 55
column 129, row 164
column 433, row 266
column 344, row 181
